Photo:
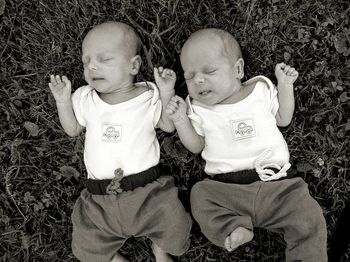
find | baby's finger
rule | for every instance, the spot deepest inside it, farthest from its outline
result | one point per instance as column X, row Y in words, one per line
column 160, row 70
column 180, row 100
column 166, row 72
column 286, row 69
column 295, row 73
column 280, row 66
column 155, row 70
column 171, row 73
column 173, row 104
column 53, row 80
column 169, row 111
column 174, row 98
column 58, row 79
column 172, row 108
column 65, row 80
column 289, row 71
column 51, row 86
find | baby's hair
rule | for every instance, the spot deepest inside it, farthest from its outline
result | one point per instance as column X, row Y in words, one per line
column 231, row 45
column 131, row 36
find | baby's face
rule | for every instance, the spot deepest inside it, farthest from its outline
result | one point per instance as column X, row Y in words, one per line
column 106, row 61
column 209, row 74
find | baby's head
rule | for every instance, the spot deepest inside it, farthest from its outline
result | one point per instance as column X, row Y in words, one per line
column 110, row 54
column 213, row 65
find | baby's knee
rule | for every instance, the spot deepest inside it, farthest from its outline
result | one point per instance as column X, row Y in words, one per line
column 199, row 191
column 198, row 196
column 310, row 220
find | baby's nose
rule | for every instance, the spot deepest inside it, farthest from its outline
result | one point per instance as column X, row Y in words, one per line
column 92, row 66
column 199, row 79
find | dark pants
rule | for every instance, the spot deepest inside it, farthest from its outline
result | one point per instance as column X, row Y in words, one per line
column 280, row 206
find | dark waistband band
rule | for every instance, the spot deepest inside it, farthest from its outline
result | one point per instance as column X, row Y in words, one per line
column 126, row 183
column 244, row 177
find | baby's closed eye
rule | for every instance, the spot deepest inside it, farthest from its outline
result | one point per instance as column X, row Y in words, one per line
column 106, row 59
column 210, row 71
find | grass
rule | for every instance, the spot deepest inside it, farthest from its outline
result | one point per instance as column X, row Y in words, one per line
column 42, row 169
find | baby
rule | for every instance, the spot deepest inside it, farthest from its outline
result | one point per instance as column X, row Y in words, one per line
column 234, row 125
column 127, row 193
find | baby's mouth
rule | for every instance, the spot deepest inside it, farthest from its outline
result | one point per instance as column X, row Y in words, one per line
column 97, row 78
column 204, row 93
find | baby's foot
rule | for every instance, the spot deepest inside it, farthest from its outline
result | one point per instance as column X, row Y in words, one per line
column 238, row 237
column 119, row 258
column 160, row 255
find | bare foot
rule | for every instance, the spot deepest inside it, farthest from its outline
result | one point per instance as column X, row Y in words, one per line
column 238, row 237
column 119, row 258
column 160, row 255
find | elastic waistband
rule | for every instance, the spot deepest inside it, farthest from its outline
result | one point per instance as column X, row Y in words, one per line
column 122, row 183
column 244, row 177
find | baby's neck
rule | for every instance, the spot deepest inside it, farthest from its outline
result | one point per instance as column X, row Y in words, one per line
column 122, row 94
column 243, row 92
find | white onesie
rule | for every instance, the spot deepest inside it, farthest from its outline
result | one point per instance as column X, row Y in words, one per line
column 242, row 135
column 121, row 135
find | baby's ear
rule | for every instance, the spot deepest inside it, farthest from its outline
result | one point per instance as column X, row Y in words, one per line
column 135, row 64
column 239, row 68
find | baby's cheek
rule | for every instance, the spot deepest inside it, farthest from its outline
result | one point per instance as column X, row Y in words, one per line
column 85, row 75
column 191, row 90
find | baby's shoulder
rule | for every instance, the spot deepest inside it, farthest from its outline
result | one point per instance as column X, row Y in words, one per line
column 144, row 86
column 249, row 87
column 260, row 84
column 82, row 91
column 259, row 80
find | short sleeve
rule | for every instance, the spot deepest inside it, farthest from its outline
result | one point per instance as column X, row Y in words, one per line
column 273, row 99
column 195, row 119
column 269, row 92
column 77, row 101
column 156, row 103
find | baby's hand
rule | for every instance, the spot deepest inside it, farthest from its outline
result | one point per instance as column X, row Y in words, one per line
column 285, row 74
column 60, row 88
column 176, row 109
column 165, row 78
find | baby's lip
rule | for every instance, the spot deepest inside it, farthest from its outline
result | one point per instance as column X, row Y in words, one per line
column 97, row 78
column 204, row 92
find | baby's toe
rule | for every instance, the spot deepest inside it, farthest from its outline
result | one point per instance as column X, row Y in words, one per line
column 228, row 244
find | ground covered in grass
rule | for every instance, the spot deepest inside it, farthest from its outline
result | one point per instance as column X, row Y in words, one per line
column 42, row 169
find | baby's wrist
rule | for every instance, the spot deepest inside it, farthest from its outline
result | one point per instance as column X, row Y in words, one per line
column 167, row 91
column 181, row 120
column 63, row 103
column 285, row 84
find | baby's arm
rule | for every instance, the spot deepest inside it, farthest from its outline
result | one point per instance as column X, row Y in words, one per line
column 176, row 110
column 165, row 80
column 61, row 90
column 286, row 76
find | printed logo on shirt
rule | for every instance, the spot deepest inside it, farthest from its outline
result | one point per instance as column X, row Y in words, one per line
column 111, row 133
column 243, row 129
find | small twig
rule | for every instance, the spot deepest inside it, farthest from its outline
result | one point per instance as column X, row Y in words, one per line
column 250, row 11
column 8, row 184
column 9, row 37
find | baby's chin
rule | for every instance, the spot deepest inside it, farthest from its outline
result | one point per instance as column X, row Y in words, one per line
column 206, row 100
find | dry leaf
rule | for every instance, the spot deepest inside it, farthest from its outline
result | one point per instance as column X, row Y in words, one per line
column 68, row 171
column 32, row 128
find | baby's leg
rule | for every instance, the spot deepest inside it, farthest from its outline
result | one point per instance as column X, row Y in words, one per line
column 286, row 207
column 220, row 208
column 238, row 237
column 119, row 258
column 160, row 254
